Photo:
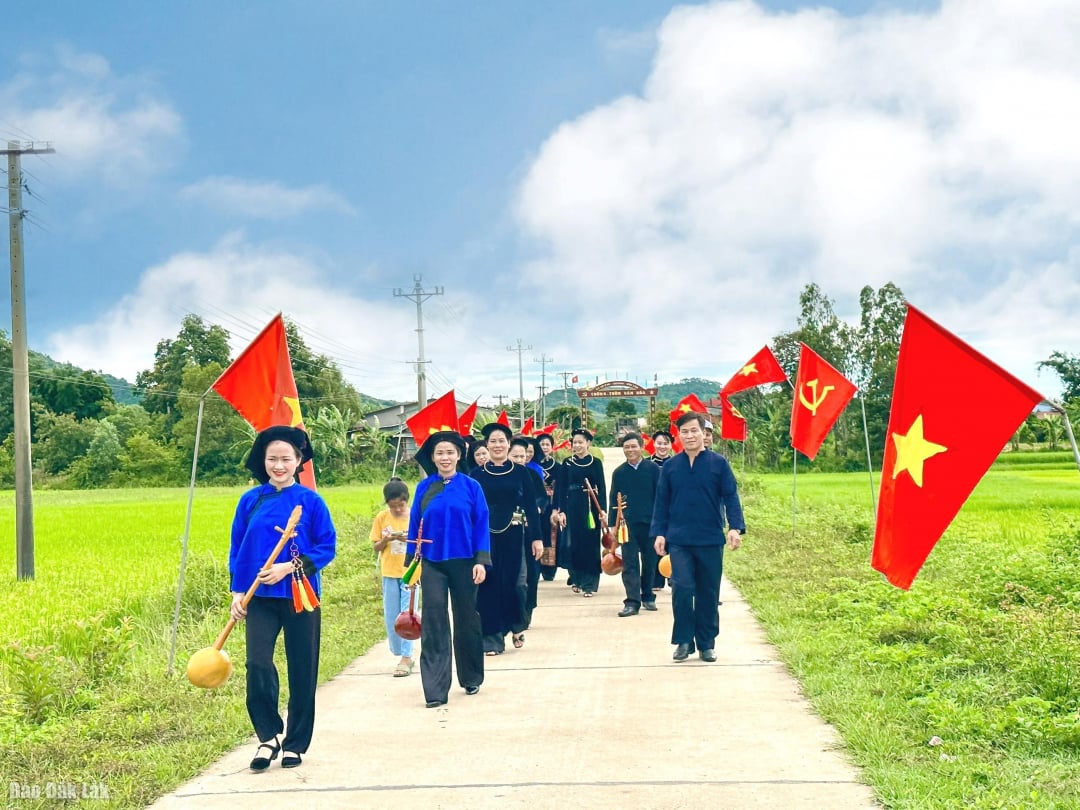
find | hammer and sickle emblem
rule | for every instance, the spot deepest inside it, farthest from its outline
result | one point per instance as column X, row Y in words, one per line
column 813, row 404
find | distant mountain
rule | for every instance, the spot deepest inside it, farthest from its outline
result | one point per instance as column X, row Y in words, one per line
column 668, row 392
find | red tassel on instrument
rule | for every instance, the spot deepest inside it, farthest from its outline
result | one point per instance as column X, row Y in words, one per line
column 298, row 605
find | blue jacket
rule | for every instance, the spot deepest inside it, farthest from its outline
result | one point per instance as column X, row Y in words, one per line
column 254, row 536
column 691, row 501
column 456, row 521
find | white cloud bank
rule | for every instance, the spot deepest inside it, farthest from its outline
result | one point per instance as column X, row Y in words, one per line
column 935, row 150
column 105, row 126
column 262, row 200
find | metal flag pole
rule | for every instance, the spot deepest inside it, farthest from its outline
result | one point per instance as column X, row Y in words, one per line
column 187, row 534
column 869, row 459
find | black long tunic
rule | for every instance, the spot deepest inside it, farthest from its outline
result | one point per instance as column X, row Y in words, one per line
column 574, row 501
column 506, row 487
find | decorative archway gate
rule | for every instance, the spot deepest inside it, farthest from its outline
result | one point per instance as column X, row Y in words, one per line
column 621, row 389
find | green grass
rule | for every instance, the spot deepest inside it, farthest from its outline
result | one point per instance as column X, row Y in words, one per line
column 982, row 652
column 85, row 697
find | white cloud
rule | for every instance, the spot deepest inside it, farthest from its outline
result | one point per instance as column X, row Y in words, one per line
column 262, row 200
column 241, row 286
column 936, row 150
column 116, row 128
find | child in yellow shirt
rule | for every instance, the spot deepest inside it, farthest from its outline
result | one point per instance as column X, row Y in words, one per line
column 388, row 532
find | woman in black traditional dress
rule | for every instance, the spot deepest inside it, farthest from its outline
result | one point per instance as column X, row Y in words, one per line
column 576, row 511
column 515, row 533
column 545, row 457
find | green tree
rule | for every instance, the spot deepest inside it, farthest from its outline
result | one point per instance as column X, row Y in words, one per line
column 620, row 407
column 224, row 437
column 331, row 442
column 147, row 463
column 196, row 344
column 319, row 381
column 131, row 419
column 61, row 438
column 67, row 389
column 878, row 346
column 1067, row 367
column 102, row 458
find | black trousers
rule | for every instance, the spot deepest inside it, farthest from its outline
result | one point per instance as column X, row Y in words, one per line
column 639, row 565
column 532, row 581
column 266, row 619
column 438, row 580
column 695, row 589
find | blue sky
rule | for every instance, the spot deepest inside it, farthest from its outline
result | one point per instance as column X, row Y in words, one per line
column 599, row 179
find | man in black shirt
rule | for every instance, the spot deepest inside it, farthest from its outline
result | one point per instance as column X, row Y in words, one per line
column 636, row 480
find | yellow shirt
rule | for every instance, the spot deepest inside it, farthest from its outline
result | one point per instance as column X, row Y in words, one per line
column 391, row 558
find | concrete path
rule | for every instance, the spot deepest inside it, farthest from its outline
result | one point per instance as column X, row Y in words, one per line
column 591, row 712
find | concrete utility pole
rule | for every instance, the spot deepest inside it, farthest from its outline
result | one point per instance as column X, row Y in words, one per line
column 521, row 377
column 564, row 375
column 20, row 372
column 419, row 295
column 543, row 361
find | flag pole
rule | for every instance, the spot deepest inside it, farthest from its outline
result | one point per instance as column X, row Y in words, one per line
column 187, row 534
column 1057, row 406
column 869, row 459
column 794, row 470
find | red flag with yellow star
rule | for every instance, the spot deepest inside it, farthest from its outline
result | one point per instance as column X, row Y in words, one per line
column 933, row 460
column 260, row 385
column 435, row 417
column 688, row 403
column 467, row 418
column 762, row 368
column 821, row 394
column 732, row 423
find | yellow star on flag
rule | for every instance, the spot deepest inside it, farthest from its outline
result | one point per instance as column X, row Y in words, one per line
column 685, row 407
column 294, row 406
column 748, row 369
column 913, row 450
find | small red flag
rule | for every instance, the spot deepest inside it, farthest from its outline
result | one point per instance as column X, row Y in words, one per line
column 821, row 394
column 573, row 379
column 260, row 385
column 685, row 405
column 732, row 423
column 527, row 428
column 437, row 416
column 503, row 418
column 650, row 445
column 933, row 460
column 466, row 420
column 549, row 429
column 762, row 368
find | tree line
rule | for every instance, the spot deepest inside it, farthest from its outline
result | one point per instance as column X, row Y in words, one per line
column 82, row 437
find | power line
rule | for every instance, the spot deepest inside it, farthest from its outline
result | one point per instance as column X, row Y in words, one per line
column 418, row 296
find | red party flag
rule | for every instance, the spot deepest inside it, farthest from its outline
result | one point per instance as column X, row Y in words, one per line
column 821, row 394
column 437, row 416
column 549, row 429
column 466, row 420
column 503, row 418
column 933, row 460
column 732, row 423
column 685, row 405
column 762, row 368
column 527, row 428
column 260, row 384
column 649, row 445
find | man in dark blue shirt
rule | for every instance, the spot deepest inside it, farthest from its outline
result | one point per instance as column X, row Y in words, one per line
column 697, row 488
column 635, row 481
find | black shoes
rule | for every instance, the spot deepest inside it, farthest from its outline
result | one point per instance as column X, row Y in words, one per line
column 261, row 763
column 649, row 605
column 707, row 655
column 682, row 652
column 629, row 611
column 432, row 704
column 471, row 690
column 291, row 761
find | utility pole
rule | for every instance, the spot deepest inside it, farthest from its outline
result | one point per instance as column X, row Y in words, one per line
column 543, row 361
column 521, row 377
column 419, row 295
column 20, row 372
column 564, row 375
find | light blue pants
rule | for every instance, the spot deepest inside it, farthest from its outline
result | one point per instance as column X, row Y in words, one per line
column 395, row 599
